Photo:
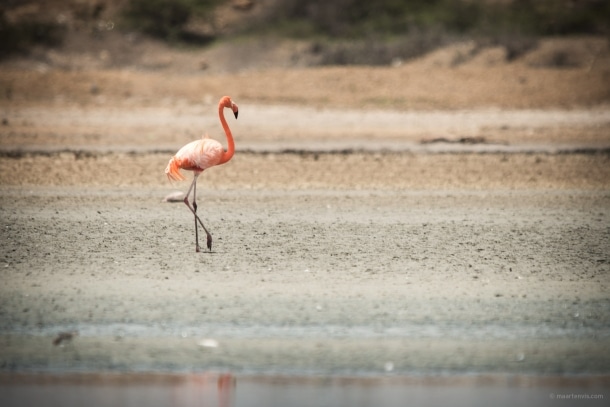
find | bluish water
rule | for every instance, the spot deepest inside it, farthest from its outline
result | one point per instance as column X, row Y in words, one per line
column 227, row 390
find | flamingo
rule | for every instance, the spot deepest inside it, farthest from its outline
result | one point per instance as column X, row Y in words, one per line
column 200, row 155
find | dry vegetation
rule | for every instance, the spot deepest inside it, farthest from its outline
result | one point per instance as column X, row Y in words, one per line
column 431, row 82
column 100, row 57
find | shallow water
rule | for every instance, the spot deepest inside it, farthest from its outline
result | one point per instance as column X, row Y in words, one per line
column 227, row 390
column 419, row 330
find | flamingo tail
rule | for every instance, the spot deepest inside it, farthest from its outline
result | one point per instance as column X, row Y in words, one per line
column 173, row 170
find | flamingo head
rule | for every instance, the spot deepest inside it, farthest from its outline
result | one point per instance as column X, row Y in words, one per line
column 226, row 101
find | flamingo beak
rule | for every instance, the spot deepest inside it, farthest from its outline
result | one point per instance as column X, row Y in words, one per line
column 234, row 108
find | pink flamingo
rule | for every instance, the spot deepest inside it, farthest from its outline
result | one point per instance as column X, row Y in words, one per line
column 199, row 155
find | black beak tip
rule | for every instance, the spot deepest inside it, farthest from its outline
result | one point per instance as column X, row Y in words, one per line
column 236, row 113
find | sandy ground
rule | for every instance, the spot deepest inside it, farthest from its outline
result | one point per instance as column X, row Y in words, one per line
column 345, row 262
column 317, row 281
column 463, row 232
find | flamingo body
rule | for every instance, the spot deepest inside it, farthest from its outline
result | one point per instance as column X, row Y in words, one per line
column 196, row 156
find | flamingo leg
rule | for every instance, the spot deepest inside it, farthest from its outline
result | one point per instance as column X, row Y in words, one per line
column 193, row 209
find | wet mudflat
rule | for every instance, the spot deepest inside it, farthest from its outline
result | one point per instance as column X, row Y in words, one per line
column 318, row 281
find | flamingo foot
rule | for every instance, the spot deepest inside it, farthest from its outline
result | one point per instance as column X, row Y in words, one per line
column 197, row 249
column 209, row 242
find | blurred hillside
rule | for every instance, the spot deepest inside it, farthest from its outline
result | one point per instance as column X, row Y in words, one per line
column 80, row 34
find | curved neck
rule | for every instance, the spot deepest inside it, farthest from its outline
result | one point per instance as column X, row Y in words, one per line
column 227, row 155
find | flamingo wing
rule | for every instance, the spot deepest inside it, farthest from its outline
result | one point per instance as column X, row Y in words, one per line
column 200, row 154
